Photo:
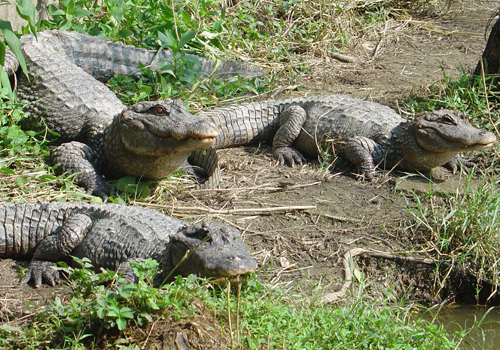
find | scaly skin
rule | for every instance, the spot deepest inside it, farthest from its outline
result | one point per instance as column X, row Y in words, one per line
column 111, row 236
column 103, row 137
column 367, row 133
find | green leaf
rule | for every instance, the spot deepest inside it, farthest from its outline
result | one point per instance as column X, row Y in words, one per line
column 121, row 323
column 10, row 329
column 145, row 88
column 145, row 192
column 66, row 24
column 122, row 183
column 168, row 40
column 79, row 12
column 47, row 177
column 70, row 7
column 186, row 17
column 126, row 312
column 102, row 302
column 123, row 33
column 26, row 11
column 7, row 171
column 100, row 313
column 54, row 11
column 5, row 83
column 193, row 59
column 15, row 46
column 117, row 13
column 187, row 37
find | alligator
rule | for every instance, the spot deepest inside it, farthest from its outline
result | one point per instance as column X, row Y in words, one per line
column 368, row 134
column 111, row 236
column 98, row 134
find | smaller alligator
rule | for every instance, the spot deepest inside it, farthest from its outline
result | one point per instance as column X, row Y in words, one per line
column 368, row 134
column 111, row 236
column 99, row 135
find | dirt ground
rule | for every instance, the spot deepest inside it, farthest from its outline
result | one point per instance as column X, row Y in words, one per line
column 326, row 213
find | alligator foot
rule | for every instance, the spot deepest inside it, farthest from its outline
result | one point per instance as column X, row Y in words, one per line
column 77, row 157
column 369, row 176
column 288, row 155
column 40, row 270
column 457, row 163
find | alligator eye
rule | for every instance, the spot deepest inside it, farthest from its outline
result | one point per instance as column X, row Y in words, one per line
column 159, row 110
column 449, row 120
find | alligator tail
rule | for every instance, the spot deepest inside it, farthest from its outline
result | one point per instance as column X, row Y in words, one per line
column 208, row 160
column 11, row 63
column 228, row 69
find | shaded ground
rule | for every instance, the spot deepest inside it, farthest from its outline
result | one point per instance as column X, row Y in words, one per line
column 406, row 55
column 295, row 247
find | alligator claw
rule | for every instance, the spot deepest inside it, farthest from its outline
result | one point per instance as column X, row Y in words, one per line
column 288, row 155
column 40, row 270
column 455, row 161
column 369, row 176
column 101, row 193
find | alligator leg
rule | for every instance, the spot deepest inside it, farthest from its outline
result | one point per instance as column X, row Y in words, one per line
column 290, row 125
column 77, row 157
column 363, row 152
column 57, row 247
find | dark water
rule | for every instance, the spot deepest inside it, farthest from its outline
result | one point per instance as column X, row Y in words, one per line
column 482, row 325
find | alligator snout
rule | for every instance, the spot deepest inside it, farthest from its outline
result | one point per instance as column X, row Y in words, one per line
column 198, row 130
column 487, row 138
column 203, row 129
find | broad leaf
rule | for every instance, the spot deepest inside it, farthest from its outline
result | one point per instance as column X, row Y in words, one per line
column 15, row 46
column 168, row 40
column 26, row 11
column 79, row 12
column 187, row 37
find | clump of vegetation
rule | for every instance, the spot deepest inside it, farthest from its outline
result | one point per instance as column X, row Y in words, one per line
column 105, row 305
column 462, row 231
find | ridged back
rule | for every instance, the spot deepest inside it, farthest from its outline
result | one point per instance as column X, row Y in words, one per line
column 72, row 102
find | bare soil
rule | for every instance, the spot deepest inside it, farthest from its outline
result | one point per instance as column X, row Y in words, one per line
column 301, row 247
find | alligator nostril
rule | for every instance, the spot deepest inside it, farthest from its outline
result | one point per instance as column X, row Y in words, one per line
column 126, row 115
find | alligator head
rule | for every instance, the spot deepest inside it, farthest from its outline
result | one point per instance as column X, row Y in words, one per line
column 446, row 130
column 153, row 139
column 210, row 250
column 158, row 128
column 434, row 138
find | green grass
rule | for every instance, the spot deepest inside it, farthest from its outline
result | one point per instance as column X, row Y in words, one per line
column 462, row 229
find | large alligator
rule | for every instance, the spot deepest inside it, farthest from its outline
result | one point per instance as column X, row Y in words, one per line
column 112, row 235
column 103, row 137
column 366, row 133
